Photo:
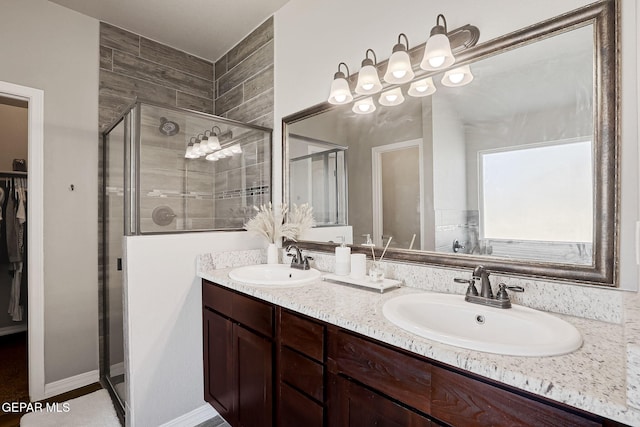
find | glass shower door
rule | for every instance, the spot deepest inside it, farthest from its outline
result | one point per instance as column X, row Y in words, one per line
column 114, row 230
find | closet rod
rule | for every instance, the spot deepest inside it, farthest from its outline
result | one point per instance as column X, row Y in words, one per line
column 13, row 174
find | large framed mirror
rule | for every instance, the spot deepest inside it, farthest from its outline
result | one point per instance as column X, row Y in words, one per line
column 516, row 170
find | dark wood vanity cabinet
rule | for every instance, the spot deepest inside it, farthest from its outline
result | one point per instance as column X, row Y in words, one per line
column 238, row 345
column 265, row 365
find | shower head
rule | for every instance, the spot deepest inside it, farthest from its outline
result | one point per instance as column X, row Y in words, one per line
column 168, row 127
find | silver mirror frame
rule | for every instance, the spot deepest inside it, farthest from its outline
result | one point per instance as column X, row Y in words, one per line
column 604, row 16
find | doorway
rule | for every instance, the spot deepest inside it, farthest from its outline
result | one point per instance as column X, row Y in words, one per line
column 13, row 250
column 31, row 344
column 398, row 194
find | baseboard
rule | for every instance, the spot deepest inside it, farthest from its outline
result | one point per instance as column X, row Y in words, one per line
column 117, row 369
column 62, row 386
column 193, row 418
column 8, row 330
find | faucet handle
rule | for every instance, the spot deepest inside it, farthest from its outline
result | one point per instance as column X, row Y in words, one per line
column 471, row 289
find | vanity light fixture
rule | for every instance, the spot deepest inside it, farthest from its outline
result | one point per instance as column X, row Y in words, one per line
column 204, row 144
column 214, row 140
column 364, row 106
column 457, row 77
column 391, row 97
column 424, row 87
column 399, row 68
column 213, row 157
column 437, row 52
column 368, row 80
column 340, row 92
column 191, row 153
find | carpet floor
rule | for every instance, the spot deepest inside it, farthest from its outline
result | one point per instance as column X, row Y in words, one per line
column 91, row 410
column 14, row 386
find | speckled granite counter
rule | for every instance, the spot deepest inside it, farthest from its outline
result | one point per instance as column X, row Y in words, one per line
column 593, row 378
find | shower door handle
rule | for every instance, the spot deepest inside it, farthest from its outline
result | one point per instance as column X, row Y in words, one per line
column 119, row 264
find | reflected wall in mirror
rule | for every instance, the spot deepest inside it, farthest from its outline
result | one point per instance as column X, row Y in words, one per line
column 515, row 169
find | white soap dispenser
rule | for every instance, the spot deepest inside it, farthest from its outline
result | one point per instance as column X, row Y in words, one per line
column 343, row 259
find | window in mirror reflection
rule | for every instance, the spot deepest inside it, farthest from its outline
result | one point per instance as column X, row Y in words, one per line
column 537, row 200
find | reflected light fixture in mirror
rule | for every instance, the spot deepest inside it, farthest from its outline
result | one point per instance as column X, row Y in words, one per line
column 340, row 92
column 457, row 77
column 437, row 52
column 204, row 143
column 191, row 153
column 368, row 80
column 391, row 97
column 399, row 67
column 424, row 87
column 214, row 140
column 364, row 106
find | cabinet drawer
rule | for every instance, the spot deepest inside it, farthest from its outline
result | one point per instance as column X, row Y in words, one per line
column 460, row 400
column 395, row 374
column 303, row 335
column 216, row 298
column 302, row 373
column 253, row 314
column 297, row 410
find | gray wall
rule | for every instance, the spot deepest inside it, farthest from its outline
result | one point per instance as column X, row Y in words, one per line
column 59, row 55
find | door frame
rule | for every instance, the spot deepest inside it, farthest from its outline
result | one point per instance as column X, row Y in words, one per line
column 35, row 237
column 376, row 176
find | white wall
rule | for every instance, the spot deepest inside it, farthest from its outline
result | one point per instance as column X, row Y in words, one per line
column 164, row 324
column 312, row 37
column 48, row 47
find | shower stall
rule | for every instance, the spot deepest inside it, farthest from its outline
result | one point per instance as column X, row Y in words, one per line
column 169, row 170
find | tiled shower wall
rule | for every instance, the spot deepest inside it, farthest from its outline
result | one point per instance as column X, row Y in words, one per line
column 132, row 66
column 244, row 79
column 244, row 92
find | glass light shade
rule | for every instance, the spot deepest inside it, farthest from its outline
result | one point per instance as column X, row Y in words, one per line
column 364, row 106
column 214, row 142
column 340, row 92
column 368, row 81
column 204, row 145
column 220, row 154
column 424, row 87
column 399, row 68
column 236, row 149
column 196, row 149
column 437, row 53
column 213, row 157
column 189, row 154
column 391, row 97
column 227, row 152
column 457, row 77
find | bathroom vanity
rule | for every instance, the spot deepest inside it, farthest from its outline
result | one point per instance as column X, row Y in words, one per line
column 297, row 356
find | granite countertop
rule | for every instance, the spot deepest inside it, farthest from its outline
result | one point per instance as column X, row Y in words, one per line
column 593, row 378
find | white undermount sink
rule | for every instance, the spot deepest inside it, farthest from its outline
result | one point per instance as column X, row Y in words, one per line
column 273, row 275
column 517, row 331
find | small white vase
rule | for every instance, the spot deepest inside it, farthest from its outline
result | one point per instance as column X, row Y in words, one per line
column 272, row 254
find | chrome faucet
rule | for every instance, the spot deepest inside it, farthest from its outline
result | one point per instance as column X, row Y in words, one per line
column 298, row 260
column 501, row 300
column 481, row 273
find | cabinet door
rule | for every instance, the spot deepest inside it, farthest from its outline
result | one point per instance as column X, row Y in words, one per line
column 219, row 379
column 254, row 356
column 352, row 405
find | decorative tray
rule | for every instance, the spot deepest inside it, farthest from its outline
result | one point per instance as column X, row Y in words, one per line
column 365, row 282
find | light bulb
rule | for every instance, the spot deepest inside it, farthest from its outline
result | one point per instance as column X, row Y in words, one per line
column 391, row 98
column 340, row 98
column 456, row 78
column 436, row 61
column 398, row 74
column 367, row 86
column 364, row 106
